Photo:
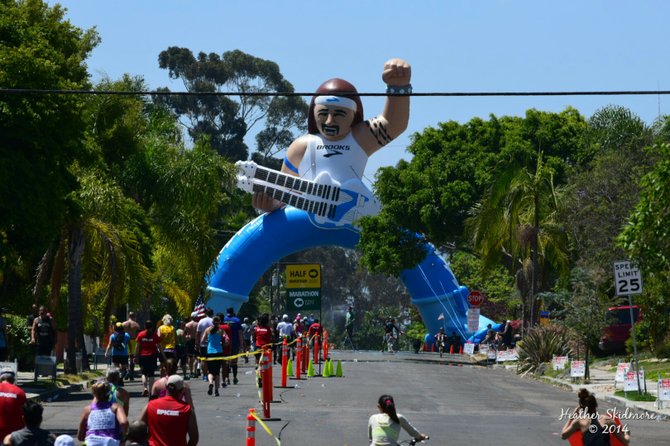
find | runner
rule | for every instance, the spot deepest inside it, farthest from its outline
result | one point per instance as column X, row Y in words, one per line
column 118, row 343
column 236, row 339
column 262, row 334
column 246, row 336
column 215, row 338
column 285, row 330
column 203, row 324
column 191, row 335
column 180, row 351
column 225, row 364
column 167, row 336
column 118, row 394
column 170, row 420
column 12, row 398
column 102, row 423
column 159, row 389
column 132, row 328
column 148, row 346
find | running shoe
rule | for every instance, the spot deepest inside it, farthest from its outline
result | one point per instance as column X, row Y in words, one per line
column 211, row 388
column 216, row 393
column 145, row 392
column 235, row 380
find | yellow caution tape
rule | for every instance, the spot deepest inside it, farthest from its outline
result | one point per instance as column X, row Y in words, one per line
column 267, row 429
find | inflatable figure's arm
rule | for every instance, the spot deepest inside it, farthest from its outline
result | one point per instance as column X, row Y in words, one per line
column 294, row 154
column 377, row 132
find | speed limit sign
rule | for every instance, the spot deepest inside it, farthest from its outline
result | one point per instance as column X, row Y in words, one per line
column 627, row 278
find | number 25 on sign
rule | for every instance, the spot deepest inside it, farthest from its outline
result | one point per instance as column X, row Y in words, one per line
column 627, row 278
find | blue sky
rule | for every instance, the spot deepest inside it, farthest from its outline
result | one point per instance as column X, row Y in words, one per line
column 464, row 46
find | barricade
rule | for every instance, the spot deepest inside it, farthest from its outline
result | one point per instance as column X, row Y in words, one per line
column 251, row 429
column 284, row 363
column 266, row 383
column 305, row 352
column 298, row 358
column 325, row 344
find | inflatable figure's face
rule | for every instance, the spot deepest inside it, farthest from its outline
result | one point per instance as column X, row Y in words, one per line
column 334, row 122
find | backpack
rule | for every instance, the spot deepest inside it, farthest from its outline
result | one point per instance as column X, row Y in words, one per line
column 119, row 341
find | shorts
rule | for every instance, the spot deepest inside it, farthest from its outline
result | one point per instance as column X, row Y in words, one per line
column 181, row 354
column 214, row 367
column 234, row 350
column 190, row 347
column 169, row 353
column 120, row 359
column 148, row 365
column 203, row 351
column 132, row 346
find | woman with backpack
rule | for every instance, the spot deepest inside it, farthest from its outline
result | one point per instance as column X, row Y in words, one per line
column 118, row 343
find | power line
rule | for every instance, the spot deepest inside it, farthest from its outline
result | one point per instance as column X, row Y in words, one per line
column 43, row 91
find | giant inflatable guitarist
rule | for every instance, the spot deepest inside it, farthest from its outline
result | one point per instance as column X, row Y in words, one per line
column 320, row 182
column 339, row 140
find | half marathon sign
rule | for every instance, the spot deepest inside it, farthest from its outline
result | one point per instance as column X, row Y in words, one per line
column 303, row 287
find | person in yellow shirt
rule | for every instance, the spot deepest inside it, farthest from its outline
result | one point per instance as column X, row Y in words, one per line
column 168, row 339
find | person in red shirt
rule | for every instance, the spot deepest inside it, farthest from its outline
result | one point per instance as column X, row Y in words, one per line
column 262, row 334
column 170, row 420
column 314, row 329
column 225, row 365
column 12, row 399
column 148, row 346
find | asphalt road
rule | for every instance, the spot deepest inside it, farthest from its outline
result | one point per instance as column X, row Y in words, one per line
column 455, row 405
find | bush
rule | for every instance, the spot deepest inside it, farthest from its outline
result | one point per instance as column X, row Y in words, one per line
column 19, row 341
column 663, row 351
column 540, row 345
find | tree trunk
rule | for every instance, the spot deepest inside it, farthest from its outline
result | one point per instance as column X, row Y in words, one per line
column 533, row 247
column 75, row 315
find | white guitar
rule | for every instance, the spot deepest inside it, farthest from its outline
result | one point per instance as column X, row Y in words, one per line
column 326, row 200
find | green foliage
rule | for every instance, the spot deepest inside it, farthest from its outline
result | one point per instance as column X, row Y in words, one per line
column 225, row 121
column 41, row 134
column 370, row 334
column 539, row 345
column 19, row 339
column 502, row 299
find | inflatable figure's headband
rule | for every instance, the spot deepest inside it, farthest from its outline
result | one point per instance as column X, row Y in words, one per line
column 340, row 89
column 335, row 100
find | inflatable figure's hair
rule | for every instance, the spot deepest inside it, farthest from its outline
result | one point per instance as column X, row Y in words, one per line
column 335, row 87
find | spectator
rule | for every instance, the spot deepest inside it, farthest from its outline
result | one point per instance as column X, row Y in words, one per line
column 148, row 346
column 138, row 434
column 3, row 337
column 102, row 423
column 315, row 329
column 34, row 312
column 170, row 420
column 132, row 328
column 12, row 399
column 32, row 434
column 180, row 350
column 43, row 333
column 508, row 335
column 349, row 326
column 118, row 343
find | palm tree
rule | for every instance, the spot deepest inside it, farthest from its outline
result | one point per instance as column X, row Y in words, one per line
column 515, row 225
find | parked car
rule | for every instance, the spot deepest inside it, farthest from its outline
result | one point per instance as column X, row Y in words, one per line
column 616, row 334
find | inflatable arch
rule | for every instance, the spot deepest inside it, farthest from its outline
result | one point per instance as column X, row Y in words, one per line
column 272, row 236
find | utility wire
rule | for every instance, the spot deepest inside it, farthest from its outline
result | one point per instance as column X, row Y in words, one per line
column 40, row 91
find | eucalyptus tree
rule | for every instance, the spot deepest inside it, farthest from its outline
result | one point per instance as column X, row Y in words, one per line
column 226, row 121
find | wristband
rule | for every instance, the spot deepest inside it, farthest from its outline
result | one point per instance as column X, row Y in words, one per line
column 400, row 90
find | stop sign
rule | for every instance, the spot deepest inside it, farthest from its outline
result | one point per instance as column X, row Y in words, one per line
column 475, row 298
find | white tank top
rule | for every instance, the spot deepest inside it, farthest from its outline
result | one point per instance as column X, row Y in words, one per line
column 343, row 159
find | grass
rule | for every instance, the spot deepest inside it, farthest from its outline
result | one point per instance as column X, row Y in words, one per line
column 634, row 396
column 652, row 368
column 64, row 380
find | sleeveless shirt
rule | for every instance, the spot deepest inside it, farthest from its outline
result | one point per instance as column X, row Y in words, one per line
column 101, row 423
column 343, row 160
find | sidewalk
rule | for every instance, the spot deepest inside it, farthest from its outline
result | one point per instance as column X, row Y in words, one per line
column 45, row 389
column 603, row 386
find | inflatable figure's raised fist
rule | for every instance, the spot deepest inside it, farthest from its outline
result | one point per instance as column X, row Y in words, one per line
column 397, row 72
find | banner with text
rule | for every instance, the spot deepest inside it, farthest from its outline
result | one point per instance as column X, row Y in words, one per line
column 303, row 287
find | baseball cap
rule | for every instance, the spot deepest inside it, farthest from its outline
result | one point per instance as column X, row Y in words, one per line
column 194, row 314
column 64, row 440
column 8, row 371
column 175, row 382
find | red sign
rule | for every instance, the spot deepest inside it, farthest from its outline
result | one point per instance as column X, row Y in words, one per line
column 475, row 298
